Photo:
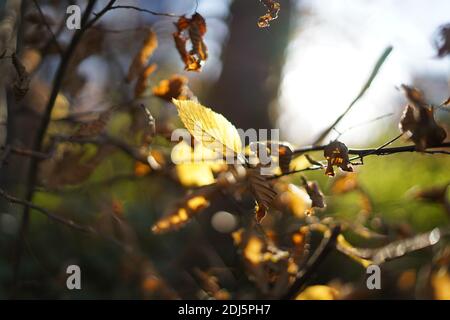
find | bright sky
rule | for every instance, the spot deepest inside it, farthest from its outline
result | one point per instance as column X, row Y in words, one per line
column 335, row 47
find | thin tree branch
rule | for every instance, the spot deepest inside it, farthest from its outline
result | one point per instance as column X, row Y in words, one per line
column 24, row 152
column 171, row 15
column 67, row 222
column 38, row 143
column 366, row 86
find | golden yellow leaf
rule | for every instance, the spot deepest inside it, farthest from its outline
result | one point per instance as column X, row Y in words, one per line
column 195, row 167
column 440, row 281
column 318, row 292
column 209, row 128
column 296, row 199
column 253, row 250
column 181, row 215
column 299, row 163
column 194, row 174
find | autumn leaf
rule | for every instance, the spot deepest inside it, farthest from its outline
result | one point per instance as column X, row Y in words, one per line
column 141, row 83
column 173, row 88
column 209, row 128
column 318, row 292
column 420, row 124
column 273, row 8
column 195, row 167
column 194, row 30
column 312, row 188
column 285, row 153
column 181, row 215
column 140, row 61
column 336, row 154
column 262, row 190
column 418, row 120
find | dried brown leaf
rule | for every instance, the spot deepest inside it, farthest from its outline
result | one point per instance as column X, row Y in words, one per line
column 336, row 154
column 191, row 29
column 313, row 190
column 273, row 8
column 262, row 190
column 420, row 124
column 173, row 88
column 140, row 61
column 142, row 83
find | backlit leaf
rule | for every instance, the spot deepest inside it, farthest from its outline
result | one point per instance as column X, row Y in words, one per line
column 318, row 292
column 336, row 154
column 273, row 8
column 209, row 128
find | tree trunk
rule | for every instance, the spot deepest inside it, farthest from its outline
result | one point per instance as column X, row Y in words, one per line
column 252, row 64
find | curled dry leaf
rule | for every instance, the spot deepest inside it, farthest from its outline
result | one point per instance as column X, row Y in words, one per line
column 181, row 215
column 420, row 124
column 173, row 88
column 285, row 154
column 191, row 29
column 273, row 8
column 312, row 188
column 141, row 59
column 262, row 190
column 336, row 154
column 414, row 96
column 418, row 121
column 142, row 81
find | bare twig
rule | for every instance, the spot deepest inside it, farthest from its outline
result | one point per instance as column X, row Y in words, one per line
column 105, row 139
column 171, row 15
column 366, row 86
column 57, row 82
column 24, row 152
column 361, row 153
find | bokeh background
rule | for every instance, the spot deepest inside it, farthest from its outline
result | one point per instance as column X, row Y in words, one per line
column 298, row 75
